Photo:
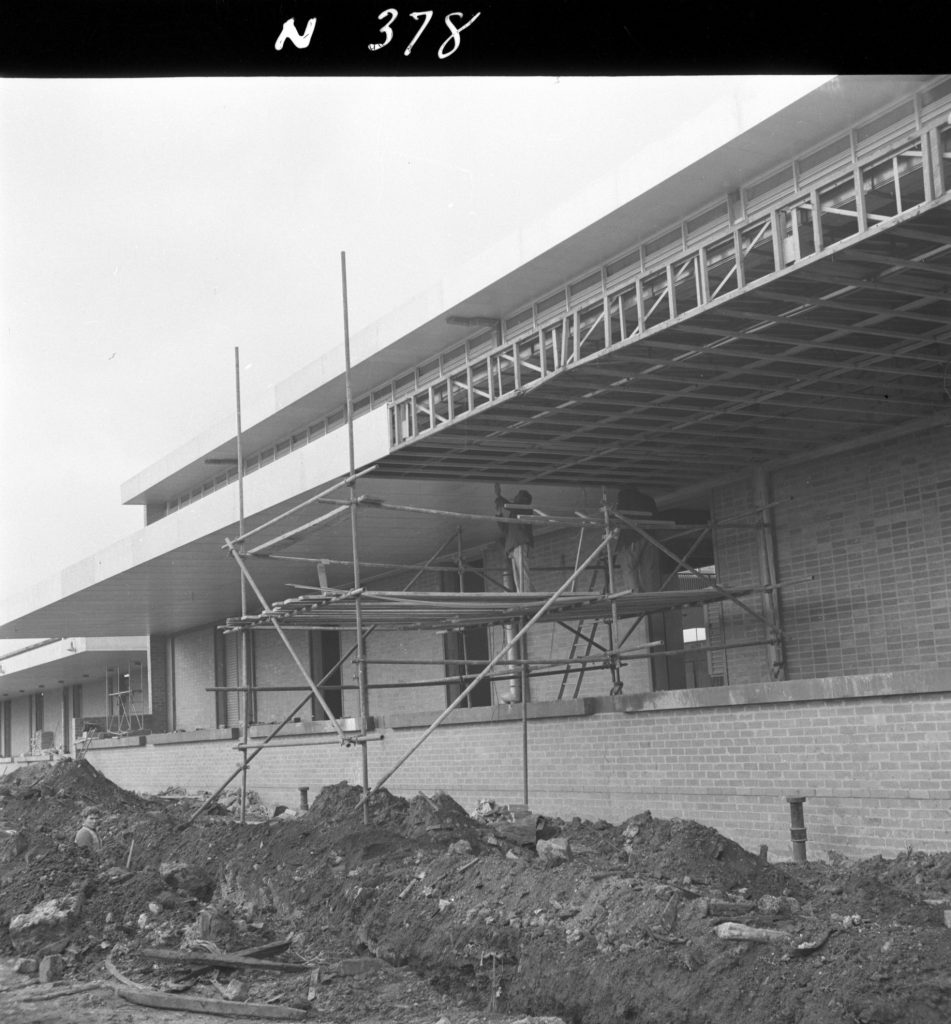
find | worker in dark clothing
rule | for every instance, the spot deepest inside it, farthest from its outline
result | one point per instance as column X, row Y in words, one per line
column 639, row 561
column 517, row 537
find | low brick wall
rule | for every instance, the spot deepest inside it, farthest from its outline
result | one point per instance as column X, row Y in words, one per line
column 870, row 754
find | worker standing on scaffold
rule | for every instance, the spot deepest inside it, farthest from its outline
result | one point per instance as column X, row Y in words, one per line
column 638, row 560
column 517, row 537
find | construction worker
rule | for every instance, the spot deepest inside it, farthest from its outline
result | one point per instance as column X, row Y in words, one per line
column 641, row 566
column 639, row 560
column 87, row 838
column 517, row 537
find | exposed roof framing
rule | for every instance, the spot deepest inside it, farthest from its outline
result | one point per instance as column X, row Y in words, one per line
column 853, row 339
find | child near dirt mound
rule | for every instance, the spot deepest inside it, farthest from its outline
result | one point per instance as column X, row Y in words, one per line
column 87, row 838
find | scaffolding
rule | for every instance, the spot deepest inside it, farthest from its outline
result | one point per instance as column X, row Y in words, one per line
column 581, row 612
column 125, row 699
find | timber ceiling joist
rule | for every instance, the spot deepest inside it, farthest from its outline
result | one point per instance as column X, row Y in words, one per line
column 853, row 340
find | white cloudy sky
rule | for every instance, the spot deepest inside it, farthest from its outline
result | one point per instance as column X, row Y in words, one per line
column 149, row 226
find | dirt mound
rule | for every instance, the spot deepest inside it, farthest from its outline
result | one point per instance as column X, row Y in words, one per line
column 396, row 825
column 75, row 781
column 673, row 849
column 429, row 899
column 42, row 805
column 340, row 805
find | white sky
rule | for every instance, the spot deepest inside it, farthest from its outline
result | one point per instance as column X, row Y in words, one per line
column 149, row 226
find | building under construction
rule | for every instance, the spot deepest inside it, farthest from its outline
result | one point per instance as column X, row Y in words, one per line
column 760, row 342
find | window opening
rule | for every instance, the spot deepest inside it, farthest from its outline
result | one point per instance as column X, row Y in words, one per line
column 325, row 653
column 6, row 737
column 125, row 698
column 466, row 650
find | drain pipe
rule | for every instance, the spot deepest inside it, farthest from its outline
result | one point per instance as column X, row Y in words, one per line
column 797, row 828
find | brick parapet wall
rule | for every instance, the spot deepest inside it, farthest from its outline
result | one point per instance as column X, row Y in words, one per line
column 873, row 763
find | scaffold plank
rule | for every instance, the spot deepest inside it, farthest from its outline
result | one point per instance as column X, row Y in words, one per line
column 398, row 610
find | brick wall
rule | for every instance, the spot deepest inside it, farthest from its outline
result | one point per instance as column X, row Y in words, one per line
column 737, row 567
column 876, row 769
column 159, row 683
column 874, row 529
column 400, row 646
column 273, row 667
column 194, row 671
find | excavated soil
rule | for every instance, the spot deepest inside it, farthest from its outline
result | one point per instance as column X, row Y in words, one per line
column 430, row 912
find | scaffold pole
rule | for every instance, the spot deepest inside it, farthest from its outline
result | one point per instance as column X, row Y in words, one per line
column 245, row 635
column 358, row 618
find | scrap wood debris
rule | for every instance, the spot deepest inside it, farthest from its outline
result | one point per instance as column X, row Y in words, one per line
column 431, row 910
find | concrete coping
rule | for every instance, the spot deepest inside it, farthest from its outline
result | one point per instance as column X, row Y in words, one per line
column 117, row 741
column 495, row 713
column 320, row 728
column 789, row 691
column 194, row 736
column 793, row 691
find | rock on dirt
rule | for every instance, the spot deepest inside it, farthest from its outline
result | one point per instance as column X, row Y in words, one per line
column 12, row 844
column 188, row 879
column 47, row 922
column 51, row 969
column 553, row 851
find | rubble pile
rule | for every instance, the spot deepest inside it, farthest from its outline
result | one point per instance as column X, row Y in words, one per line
column 430, row 911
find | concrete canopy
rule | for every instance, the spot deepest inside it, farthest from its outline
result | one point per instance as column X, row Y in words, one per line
column 66, row 662
column 698, row 163
column 189, row 584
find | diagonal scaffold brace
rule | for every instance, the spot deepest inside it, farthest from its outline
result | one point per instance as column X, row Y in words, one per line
column 268, row 611
column 511, row 644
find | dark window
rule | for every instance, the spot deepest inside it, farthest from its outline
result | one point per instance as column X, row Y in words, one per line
column 466, row 650
column 67, row 731
column 6, row 738
column 324, row 654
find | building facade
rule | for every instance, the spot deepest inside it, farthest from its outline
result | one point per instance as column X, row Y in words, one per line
column 761, row 341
